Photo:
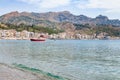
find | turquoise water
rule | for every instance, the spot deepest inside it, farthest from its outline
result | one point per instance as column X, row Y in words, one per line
column 73, row 59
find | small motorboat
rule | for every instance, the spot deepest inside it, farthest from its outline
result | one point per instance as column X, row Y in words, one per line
column 37, row 39
column 41, row 38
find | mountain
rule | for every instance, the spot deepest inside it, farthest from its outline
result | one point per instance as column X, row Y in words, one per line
column 53, row 18
column 24, row 18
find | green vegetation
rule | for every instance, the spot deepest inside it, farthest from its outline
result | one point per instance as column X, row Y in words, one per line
column 39, row 71
column 110, row 30
column 31, row 28
column 80, row 28
column 97, row 29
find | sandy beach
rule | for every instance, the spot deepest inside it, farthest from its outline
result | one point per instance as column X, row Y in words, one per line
column 13, row 73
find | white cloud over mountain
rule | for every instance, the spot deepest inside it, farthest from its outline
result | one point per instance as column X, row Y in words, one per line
column 48, row 3
column 111, row 8
column 108, row 5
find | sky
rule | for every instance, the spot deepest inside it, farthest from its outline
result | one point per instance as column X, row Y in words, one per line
column 90, row 8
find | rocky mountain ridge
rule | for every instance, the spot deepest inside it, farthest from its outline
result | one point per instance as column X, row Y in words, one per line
column 50, row 18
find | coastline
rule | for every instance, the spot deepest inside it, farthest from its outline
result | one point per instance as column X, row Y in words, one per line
column 25, row 35
column 21, row 72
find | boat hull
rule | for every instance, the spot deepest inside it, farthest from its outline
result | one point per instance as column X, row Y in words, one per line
column 37, row 39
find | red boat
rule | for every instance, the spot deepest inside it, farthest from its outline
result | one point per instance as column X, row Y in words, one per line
column 37, row 39
column 41, row 38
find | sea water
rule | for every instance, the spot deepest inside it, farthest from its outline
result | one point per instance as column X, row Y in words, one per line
column 72, row 59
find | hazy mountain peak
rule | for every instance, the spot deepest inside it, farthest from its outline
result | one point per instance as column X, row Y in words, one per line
column 102, row 17
column 24, row 12
column 83, row 16
column 9, row 15
column 65, row 12
column 13, row 13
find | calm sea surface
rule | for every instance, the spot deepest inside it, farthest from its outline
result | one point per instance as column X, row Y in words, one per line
column 73, row 59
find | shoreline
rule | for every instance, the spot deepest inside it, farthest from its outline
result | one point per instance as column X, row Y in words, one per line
column 62, row 39
column 21, row 72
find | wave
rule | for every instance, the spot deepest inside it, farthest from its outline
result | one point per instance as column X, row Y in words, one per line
column 23, row 67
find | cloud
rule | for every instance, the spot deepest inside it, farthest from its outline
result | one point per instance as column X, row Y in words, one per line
column 30, row 1
column 54, row 3
column 108, row 5
column 47, row 3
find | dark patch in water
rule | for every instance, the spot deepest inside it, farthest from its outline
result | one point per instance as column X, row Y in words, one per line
column 39, row 71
